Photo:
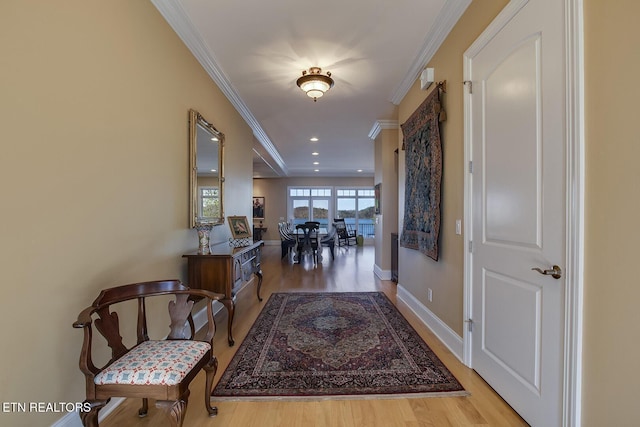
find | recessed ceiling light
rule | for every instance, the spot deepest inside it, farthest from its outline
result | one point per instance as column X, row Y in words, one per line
column 359, row 170
column 316, row 163
column 315, row 153
column 316, row 170
column 213, row 170
column 214, row 139
column 314, row 139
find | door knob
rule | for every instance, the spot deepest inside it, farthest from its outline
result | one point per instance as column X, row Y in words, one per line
column 555, row 272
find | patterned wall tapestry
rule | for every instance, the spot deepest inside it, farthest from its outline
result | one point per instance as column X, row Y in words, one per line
column 423, row 162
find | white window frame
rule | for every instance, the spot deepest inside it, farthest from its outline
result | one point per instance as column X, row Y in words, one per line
column 201, row 197
column 357, row 196
column 307, row 193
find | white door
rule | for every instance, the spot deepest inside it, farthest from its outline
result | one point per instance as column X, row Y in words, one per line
column 517, row 113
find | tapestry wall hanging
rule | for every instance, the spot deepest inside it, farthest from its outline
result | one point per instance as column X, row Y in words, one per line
column 423, row 166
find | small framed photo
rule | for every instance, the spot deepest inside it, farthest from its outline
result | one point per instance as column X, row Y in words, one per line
column 239, row 227
column 258, row 208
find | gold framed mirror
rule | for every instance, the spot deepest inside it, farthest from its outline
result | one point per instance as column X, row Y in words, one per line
column 206, row 164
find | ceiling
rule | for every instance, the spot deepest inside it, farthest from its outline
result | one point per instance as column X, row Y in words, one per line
column 255, row 50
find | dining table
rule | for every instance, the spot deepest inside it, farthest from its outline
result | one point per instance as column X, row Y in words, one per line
column 308, row 240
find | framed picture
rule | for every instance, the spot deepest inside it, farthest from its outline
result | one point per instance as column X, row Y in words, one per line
column 258, row 208
column 239, row 227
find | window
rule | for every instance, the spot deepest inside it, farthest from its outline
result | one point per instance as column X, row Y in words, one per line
column 310, row 204
column 357, row 207
column 209, row 205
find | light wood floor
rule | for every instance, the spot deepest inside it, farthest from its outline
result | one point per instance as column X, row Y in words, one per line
column 352, row 270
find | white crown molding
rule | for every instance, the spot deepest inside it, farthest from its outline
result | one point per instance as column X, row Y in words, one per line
column 444, row 22
column 502, row 19
column 177, row 18
column 382, row 124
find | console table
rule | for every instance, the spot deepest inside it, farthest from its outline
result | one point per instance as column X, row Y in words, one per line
column 224, row 271
column 257, row 233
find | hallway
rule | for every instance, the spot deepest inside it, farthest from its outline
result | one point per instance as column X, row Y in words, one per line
column 352, row 270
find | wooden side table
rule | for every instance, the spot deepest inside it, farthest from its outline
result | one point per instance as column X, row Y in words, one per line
column 224, row 271
column 257, row 233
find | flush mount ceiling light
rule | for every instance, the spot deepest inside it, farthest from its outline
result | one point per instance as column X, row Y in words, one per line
column 314, row 83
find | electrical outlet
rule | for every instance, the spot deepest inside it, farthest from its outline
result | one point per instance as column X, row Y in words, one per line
column 430, row 294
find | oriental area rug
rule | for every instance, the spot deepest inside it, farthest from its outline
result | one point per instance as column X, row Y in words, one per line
column 333, row 346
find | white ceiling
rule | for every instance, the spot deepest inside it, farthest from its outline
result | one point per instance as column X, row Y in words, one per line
column 255, row 50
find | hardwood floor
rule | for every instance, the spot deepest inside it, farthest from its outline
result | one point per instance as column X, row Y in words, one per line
column 352, row 270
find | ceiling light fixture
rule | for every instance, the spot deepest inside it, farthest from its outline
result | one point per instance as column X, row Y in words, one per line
column 314, row 83
column 313, row 139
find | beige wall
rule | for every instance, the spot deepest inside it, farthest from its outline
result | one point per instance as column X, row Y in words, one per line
column 274, row 190
column 612, row 288
column 93, row 175
column 416, row 271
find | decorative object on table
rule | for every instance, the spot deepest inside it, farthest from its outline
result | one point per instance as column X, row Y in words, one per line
column 240, row 231
column 258, row 208
column 423, row 164
column 322, row 345
column 204, row 230
column 377, row 192
column 239, row 227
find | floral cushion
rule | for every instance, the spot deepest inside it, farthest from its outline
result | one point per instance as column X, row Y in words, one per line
column 155, row 362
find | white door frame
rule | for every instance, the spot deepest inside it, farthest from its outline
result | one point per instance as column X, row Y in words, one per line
column 574, row 134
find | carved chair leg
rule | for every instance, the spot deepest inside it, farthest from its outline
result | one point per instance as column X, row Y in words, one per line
column 90, row 419
column 142, row 412
column 259, row 274
column 211, row 368
column 175, row 410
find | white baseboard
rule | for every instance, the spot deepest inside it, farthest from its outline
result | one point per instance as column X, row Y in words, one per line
column 380, row 273
column 444, row 333
column 72, row 419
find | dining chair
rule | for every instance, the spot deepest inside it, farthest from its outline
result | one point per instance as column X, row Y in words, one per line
column 345, row 234
column 287, row 238
column 307, row 240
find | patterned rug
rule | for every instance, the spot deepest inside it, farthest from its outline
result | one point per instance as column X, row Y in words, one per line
column 333, row 345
